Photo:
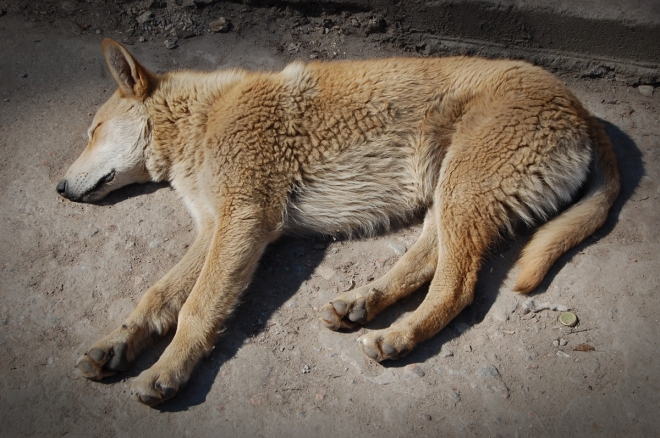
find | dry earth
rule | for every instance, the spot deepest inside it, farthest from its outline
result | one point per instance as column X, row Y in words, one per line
column 72, row 272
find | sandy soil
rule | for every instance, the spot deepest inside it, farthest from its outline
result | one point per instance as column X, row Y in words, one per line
column 72, row 272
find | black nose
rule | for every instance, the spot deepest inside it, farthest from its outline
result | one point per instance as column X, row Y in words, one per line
column 61, row 187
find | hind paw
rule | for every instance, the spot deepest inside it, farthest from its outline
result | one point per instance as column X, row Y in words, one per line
column 343, row 313
column 104, row 360
column 156, row 385
column 385, row 344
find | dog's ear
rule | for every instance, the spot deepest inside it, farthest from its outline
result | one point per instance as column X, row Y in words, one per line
column 133, row 79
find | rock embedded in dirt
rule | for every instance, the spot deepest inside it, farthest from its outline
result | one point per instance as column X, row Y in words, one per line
column 646, row 90
column 413, row 370
column 493, row 380
column 144, row 17
column 219, row 25
column 397, row 247
column 326, row 272
column 171, row 43
column 69, row 6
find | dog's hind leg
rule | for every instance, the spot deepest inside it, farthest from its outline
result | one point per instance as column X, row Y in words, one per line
column 156, row 313
column 415, row 268
column 468, row 219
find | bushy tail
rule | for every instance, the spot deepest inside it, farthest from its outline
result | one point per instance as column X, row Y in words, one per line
column 577, row 222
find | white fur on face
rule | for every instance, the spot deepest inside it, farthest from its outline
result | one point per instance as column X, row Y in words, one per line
column 114, row 156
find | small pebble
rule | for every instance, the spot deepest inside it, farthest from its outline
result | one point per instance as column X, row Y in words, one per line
column 562, row 342
column 326, row 272
column 306, row 369
column 397, row 247
column 219, row 25
column 427, row 417
column 380, row 263
column 413, row 369
column 144, row 17
column 448, row 354
column 69, row 6
column 455, row 396
column 646, row 90
column 171, row 43
column 98, row 31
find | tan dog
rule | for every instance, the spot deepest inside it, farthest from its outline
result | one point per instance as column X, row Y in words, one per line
column 339, row 148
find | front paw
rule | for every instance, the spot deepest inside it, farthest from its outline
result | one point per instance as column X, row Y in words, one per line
column 104, row 359
column 157, row 384
column 386, row 344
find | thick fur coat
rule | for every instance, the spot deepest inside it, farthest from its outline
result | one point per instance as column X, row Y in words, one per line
column 342, row 147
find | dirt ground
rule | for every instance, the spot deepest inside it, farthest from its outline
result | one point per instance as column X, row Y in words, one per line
column 71, row 272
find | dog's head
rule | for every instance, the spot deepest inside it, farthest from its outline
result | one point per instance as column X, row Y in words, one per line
column 118, row 136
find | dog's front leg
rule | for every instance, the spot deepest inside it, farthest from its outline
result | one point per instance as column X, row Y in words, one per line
column 156, row 313
column 238, row 242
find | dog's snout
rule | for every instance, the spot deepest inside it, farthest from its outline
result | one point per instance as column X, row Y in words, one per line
column 61, row 187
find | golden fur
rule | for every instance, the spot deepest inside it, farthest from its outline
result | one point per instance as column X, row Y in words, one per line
column 342, row 147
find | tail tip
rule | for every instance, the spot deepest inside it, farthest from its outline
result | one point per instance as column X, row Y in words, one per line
column 527, row 281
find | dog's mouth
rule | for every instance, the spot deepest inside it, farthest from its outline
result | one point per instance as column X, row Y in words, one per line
column 89, row 195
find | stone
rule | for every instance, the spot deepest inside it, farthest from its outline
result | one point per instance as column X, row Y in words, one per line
column 219, row 25
column 171, row 43
column 397, row 247
column 326, row 272
column 69, row 6
column 144, row 17
column 493, row 381
column 413, row 370
column 645, row 90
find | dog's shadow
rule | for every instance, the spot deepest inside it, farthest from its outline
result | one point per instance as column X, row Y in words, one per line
column 281, row 274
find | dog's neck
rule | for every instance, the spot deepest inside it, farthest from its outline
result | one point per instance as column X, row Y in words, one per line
column 181, row 101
